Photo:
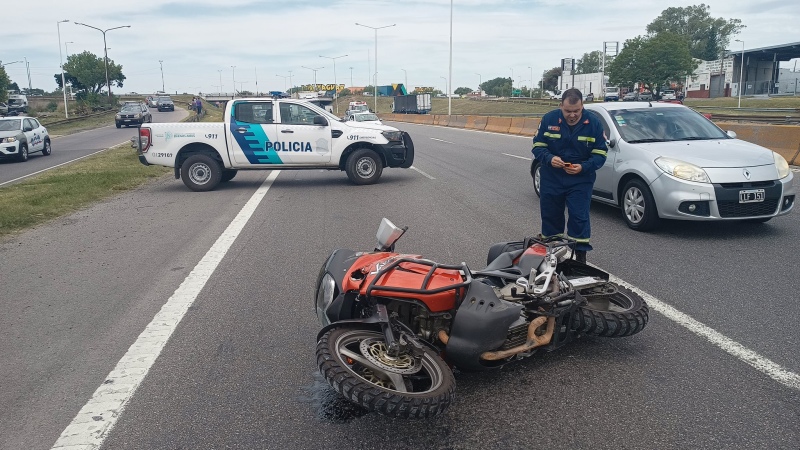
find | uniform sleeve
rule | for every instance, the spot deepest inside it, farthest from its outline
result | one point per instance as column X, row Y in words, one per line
column 540, row 150
column 597, row 157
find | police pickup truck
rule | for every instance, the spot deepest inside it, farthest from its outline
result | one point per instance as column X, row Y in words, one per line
column 276, row 133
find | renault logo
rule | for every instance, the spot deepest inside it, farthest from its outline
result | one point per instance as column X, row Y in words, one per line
column 746, row 173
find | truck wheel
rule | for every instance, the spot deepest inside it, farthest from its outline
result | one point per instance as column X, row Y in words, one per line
column 364, row 166
column 201, row 173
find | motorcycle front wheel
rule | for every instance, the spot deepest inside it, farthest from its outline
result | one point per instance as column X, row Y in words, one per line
column 355, row 363
column 619, row 313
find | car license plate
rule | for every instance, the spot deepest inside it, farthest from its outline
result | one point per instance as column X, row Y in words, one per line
column 751, row 196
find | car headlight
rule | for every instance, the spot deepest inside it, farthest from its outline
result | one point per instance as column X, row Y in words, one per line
column 393, row 135
column 137, row 116
column 781, row 165
column 9, row 139
column 682, row 170
column 325, row 293
column 119, row 116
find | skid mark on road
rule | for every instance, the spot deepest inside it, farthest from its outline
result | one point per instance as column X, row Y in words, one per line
column 760, row 363
column 95, row 420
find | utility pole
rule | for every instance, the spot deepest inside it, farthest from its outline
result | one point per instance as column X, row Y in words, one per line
column 63, row 83
column 161, row 63
column 220, row 80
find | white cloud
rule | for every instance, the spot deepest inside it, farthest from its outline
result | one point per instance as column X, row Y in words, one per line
column 197, row 38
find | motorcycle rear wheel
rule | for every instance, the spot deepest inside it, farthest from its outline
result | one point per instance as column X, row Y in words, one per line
column 374, row 386
column 623, row 313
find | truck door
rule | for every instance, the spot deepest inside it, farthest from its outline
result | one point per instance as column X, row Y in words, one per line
column 301, row 141
column 252, row 134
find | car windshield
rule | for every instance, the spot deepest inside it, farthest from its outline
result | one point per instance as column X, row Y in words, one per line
column 664, row 125
column 165, row 100
column 10, row 125
column 365, row 117
column 131, row 109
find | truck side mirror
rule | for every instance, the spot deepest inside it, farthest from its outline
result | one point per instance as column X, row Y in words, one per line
column 319, row 120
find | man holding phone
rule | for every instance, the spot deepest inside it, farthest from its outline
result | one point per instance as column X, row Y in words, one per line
column 571, row 146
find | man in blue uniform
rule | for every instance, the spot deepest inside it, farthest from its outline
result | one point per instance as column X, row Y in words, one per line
column 571, row 146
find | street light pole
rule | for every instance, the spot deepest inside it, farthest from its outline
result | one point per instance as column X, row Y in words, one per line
column 161, row 63
column 406, row 78
column 284, row 80
column 376, row 58
column 480, row 89
column 512, row 83
column 450, row 75
column 741, row 73
column 315, row 76
column 531, row 91
column 445, row 87
column 220, row 81
column 61, row 60
column 105, row 51
column 233, row 74
column 291, row 83
column 335, row 83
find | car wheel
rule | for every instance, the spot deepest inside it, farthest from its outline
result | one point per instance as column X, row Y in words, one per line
column 119, row 126
column 638, row 206
column 364, row 166
column 47, row 150
column 201, row 172
column 23, row 153
column 536, row 174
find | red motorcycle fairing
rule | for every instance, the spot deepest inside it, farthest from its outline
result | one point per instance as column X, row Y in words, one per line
column 404, row 275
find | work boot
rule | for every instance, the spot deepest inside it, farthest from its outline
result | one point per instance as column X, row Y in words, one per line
column 580, row 256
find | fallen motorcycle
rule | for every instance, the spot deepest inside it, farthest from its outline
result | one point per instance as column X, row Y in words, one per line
column 394, row 324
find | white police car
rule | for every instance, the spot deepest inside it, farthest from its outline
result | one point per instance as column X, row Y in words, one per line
column 21, row 136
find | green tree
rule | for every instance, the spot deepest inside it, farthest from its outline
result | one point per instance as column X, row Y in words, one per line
column 90, row 71
column 71, row 81
column 5, row 82
column 344, row 92
column 708, row 36
column 462, row 91
column 652, row 61
column 551, row 79
column 498, row 87
column 590, row 62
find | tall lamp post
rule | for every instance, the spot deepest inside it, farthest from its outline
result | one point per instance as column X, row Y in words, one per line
column 66, row 49
column 161, row 63
column 335, row 83
column 233, row 74
column 450, row 75
column 220, row 81
column 406, row 78
column 741, row 73
column 285, row 77
column 446, row 87
column 376, row 57
column 480, row 89
column 315, row 75
column 61, row 60
column 531, row 91
column 105, row 50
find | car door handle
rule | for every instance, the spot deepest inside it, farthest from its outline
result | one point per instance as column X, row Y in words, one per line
column 241, row 130
column 287, row 131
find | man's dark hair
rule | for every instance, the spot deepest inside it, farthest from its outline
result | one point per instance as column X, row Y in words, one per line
column 572, row 96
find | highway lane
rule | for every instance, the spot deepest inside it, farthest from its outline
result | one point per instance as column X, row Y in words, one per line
column 74, row 146
column 239, row 372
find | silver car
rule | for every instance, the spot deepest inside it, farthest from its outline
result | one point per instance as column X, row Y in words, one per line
column 667, row 161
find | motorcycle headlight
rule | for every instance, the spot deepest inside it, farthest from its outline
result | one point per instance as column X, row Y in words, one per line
column 325, row 293
column 781, row 165
column 9, row 139
column 393, row 135
column 682, row 170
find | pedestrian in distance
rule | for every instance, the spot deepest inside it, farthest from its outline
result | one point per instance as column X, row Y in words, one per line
column 570, row 146
column 198, row 105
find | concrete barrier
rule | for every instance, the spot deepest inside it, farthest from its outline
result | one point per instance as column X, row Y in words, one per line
column 782, row 139
column 516, row 125
column 441, row 119
column 530, row 127
column 426, row 119
column 458, row 121
column 498, row 124
column 476, row 122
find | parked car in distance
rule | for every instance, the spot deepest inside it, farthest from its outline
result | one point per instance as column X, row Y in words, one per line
column 668, row 94
column 588, row 97
column 363, row 117
column 152, row 101
column 133, row 113
column 630, row 97
column 680, row 165
column 21, row 136
column 165, row 104
column 645, row 96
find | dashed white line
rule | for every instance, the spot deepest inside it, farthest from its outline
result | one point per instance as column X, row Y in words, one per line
column 95, row 420
column 758, row 362
column 517, row 156
column 423, row 173
column 442, row 140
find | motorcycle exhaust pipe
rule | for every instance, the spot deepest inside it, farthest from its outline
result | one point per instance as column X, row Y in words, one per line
column 532, row 342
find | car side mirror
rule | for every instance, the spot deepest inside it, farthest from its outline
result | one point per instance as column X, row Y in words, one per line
column 731, row 133
column 611, row 143
column 27, row 128
column 319, row 120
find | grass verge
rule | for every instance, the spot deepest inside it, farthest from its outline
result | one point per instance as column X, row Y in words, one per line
column 69, row 188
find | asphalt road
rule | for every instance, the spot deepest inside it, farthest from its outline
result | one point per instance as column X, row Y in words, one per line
column 74, row 146
column 239, row 371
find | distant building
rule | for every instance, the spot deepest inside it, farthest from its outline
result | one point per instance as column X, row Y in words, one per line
column 788, row 82
column 712, row 79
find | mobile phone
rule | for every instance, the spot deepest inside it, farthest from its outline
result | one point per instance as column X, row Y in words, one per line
column 567, row 164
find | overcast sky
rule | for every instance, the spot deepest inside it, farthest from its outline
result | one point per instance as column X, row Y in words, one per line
column 196, row 39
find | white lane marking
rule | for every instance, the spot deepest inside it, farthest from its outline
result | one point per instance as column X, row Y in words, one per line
column 423, row 173
column 515, row 156
column 442, row 140
column 760, row 363
column 59, row 165
column 95, row 420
